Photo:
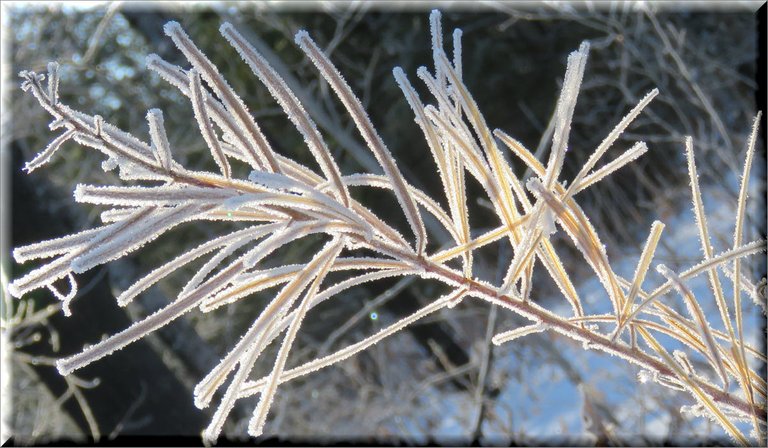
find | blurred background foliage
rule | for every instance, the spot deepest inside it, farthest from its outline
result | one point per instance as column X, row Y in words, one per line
column 442, row 380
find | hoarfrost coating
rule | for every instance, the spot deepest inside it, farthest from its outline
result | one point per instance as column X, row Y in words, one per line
column 284, row 201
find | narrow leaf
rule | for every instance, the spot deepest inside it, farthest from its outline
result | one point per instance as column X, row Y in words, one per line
column 198, row 96
column 369, row 133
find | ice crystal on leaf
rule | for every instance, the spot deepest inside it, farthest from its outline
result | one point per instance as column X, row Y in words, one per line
column 282, row 201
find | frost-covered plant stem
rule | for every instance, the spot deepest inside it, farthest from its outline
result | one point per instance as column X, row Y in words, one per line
column 285, row 201
column 566, row 327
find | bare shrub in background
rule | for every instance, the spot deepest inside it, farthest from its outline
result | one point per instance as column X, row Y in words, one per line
column 282, row 200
